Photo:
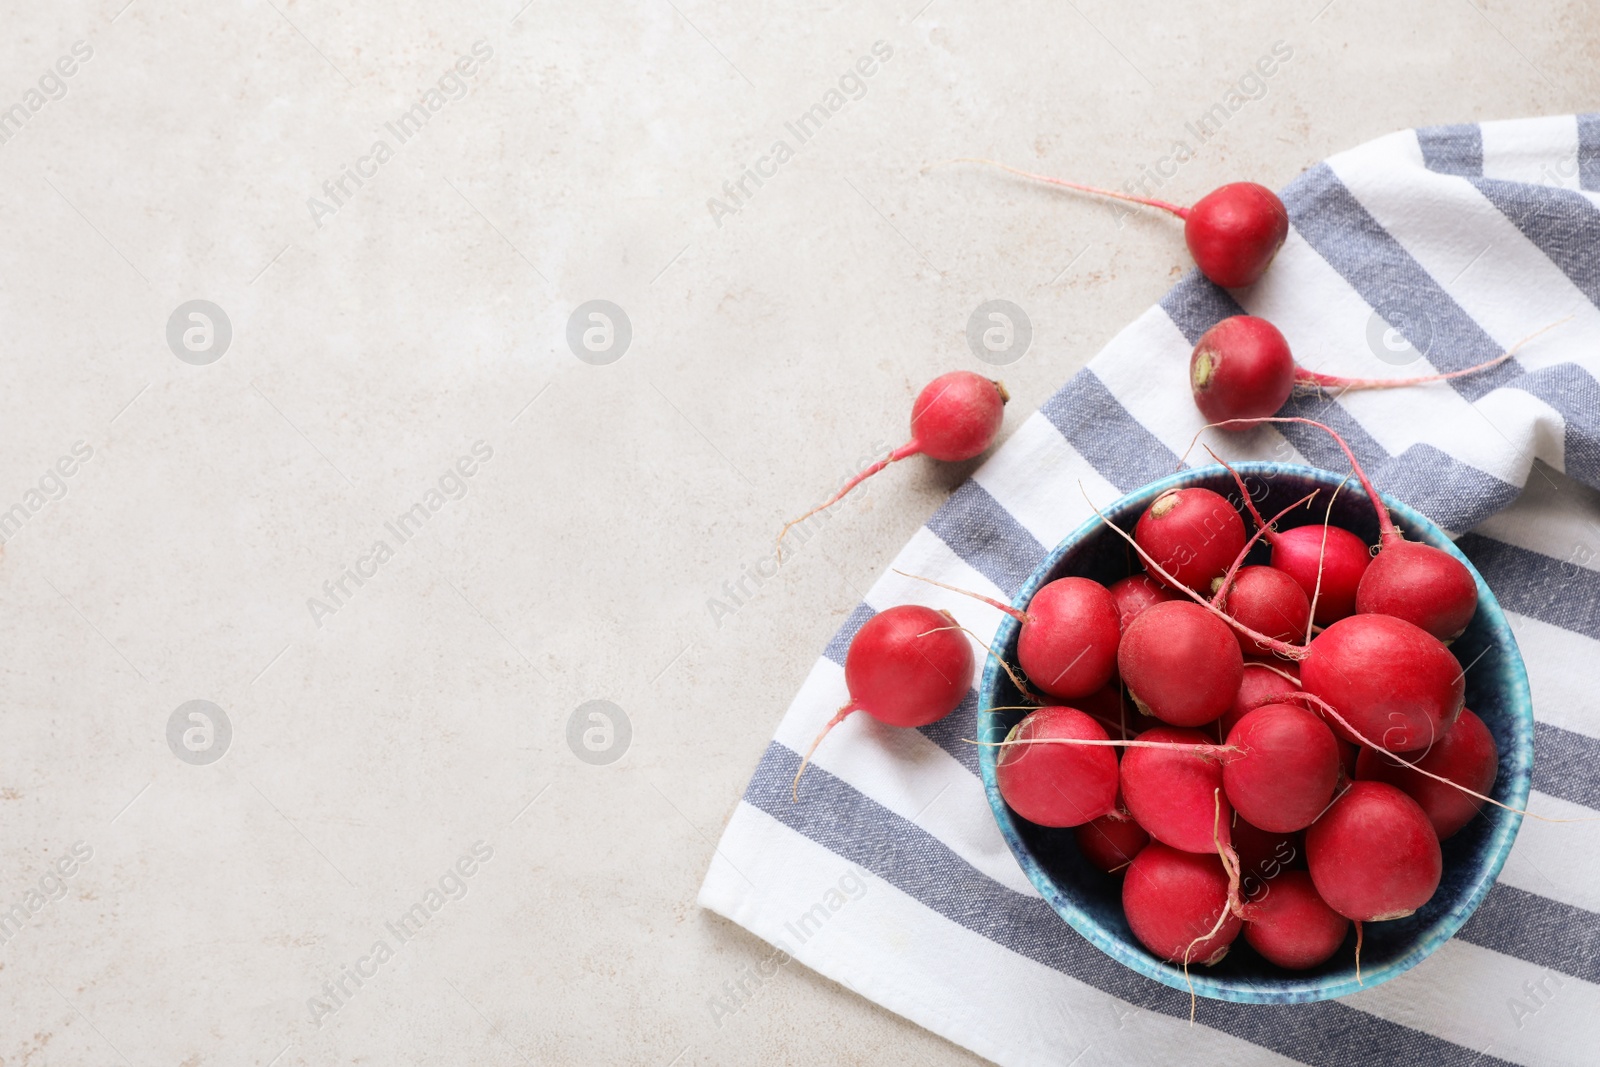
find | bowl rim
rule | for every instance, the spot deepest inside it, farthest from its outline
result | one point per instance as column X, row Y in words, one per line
column 1516, row 765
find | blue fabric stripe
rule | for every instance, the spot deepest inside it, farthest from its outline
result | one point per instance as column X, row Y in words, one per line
column 1542, row 587
column 841, row 640
column 1451, row 493
column 1564, row 763
column 1097, row 425
column 1565, row 226
column 1197, row 303
column 1533, row 928
column 948, row 733
column 1453, row 149
column 1561, row 223
column 986, row 537
column 856, row 828
column 1573, row 392
column 1589, row 151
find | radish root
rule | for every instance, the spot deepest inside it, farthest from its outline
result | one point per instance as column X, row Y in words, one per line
column 839, row 717
column 1020, row 616
column 1176, row 209
column 1311, row 380
column 910, row 448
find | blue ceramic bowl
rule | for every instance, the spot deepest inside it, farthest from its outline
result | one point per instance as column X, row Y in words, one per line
column 1497, row 689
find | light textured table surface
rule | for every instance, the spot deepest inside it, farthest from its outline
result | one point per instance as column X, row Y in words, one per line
column 387, row 725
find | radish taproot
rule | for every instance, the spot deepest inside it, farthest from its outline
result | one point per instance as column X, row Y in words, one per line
column 1180, row 663
column 1173, row 791
column 1467, row 755
column 1327, row 562
column 908, row 665
column 954, row 418
column 1194, row 534
column 1068, row 642
column 1177, row 904
column 1420, row 584
column 1284, row 772
column 1266, row 599
column 1292, row 926
column 1395, row 683
column 1232, row 232
column 1262, row 684
column 1057, row 785
column 1373, row 854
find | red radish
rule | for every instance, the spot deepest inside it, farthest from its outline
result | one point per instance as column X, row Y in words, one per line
column 1422, row 585
column 1466, row 755
column 1068, row 642
column 1292, row 926
column 1057, row 785
column 1268, row 600
column 954, row 418
column 1241, row 368
column 1180, row 663
column 1394, row 683
column 1283, row 776
column 1069, row 636
column 1233, row 231
column 1262, row 684
column 1173, row 792
column 1194, row 534
column 1339, row 555
column 1177, row 904
column 1111, row 841
column 907, row 666
column 1136, row 592
column 1373, row 854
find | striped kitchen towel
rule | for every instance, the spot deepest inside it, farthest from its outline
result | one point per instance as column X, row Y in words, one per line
column 1428, row 249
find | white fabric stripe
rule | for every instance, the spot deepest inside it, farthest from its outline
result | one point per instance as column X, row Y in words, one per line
column 903, row 771
column 1035, row 454
column 1556, row 517
column 1037, row 1015
column 1462, row 993
column 1475, row 253
column 1561, row 696
column 927, row 556
column 1556, row 860
column 1542, row 151
column 1143, row 367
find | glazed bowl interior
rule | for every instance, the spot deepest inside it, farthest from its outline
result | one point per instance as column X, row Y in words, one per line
column 1497, row 690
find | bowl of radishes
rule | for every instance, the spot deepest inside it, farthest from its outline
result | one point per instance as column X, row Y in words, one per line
column 1244, row 752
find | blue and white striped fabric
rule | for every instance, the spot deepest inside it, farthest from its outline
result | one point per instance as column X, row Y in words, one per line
column 890, row 876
